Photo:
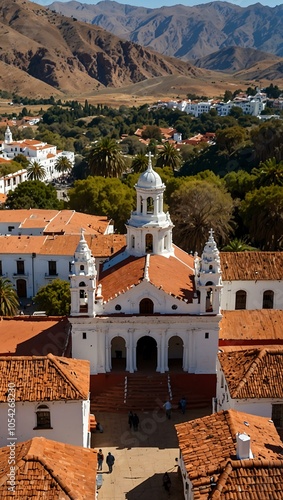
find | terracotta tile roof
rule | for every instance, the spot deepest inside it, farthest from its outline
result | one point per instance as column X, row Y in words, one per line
column 251, row 266
column 172, row 274
column 261, row 324
column 50, row 470
column 255, row 479
column 56, row 221
column 253, row 373
column 28, row 335
column 44, row 378
column 208, row 443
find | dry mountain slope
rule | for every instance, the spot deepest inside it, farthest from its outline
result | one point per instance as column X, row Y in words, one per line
column 186, row 32
column 73, row 56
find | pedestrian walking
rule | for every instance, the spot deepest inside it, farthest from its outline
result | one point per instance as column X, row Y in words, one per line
column 183, row 404
column 110, row 459
column 130, row 419
column 136, row 422
column 168, row 407
column 100, row 458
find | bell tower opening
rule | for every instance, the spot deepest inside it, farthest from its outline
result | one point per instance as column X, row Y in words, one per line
column 148, row 243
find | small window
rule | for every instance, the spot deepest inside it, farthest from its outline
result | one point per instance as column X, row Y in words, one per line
column 82, row 268
column 118, row 307
column 20, row 267
column 267, row 300
column 52, row 268
column 146, row 306
column 210, row 267
column 222, row 381
column 241, row 299
column 206, row 335
column 10, row 228
column 84, row 335
column 174, row 307
column 43, row 420
column 149, row 243
column 277, row 415
column 133, row 241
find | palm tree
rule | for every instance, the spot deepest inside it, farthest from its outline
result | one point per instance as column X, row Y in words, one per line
column 238, row 245
column 63, row 165
column 169, row 157
column 139, row 163
column 9, row 302
column 35, row 171
column 105, row 159
column 269, row 172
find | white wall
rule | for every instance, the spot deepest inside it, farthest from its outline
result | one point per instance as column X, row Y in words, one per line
column 68, row 423
column 255, row 290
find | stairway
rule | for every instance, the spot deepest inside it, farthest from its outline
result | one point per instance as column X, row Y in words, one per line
column 145, row 392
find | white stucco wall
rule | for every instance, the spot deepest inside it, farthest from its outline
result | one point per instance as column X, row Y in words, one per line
column 69, row 422
column 254, row 290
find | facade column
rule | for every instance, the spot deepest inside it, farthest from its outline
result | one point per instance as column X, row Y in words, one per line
column 162, row 347
column 129, row 351
column 108, row 363
column 156, row 206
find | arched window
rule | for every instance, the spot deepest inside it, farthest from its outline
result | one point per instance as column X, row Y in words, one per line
column 82, row 267
column 146, row 306
column 241, row 299
column 82, row 292
column 149, row 243
column 149, row 205
column 268, row 299
column 141, row 204
column 43, row 420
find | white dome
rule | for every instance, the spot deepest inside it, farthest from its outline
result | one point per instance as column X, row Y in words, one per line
column 149, row 179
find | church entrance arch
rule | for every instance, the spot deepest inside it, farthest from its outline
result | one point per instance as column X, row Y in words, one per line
column 175, row 353
column 118, row 354
column 146, row 354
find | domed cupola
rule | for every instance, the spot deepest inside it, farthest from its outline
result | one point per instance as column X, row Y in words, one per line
column 149, row 230
column 149, row 179
column 8, row 136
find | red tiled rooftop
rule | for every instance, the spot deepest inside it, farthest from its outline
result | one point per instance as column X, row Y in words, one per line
column 49, row 470
column 251, row 266
column 243, row 325
column 208, row 443
column 173, row 274
column 28, row 335
column 254, row 373
column 44, row 378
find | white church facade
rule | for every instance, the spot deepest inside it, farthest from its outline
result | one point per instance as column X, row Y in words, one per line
column 153, row 303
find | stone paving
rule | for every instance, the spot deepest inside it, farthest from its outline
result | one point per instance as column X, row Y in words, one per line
column 142, row 457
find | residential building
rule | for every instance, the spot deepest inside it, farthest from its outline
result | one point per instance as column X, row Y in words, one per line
column 42, row 468
column 230, row 454
column 251, row 381
column 47, row 392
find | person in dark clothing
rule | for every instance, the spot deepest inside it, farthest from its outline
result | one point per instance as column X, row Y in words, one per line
column 110, row 459
column 166, row 482
column 100, row 459
column 130, row 419
column 136, row 422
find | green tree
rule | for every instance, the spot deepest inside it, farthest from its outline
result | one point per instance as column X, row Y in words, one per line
column 103, row 196
column 196, row 207
column 152, row 132
column 169, row 157
column 239, row 183
column 105, row 159
column 54, row 298
column 9, row 302
column 63, row 165
column 139, row 163
column 22, row 159
column 230, row 138
column 269, row 172
column 33, row 194
column 262, row 214
column 35, row 171
column 267, row 140
column 238, row 245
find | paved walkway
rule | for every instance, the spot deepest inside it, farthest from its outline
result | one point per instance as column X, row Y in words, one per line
column 141, row 457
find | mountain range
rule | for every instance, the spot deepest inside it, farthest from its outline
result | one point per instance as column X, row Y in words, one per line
column 188, row 33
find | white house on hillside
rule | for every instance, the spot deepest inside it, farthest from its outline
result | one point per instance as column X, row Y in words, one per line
column 51, row 396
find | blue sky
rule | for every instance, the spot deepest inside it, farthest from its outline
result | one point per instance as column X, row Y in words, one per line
column 159, row 3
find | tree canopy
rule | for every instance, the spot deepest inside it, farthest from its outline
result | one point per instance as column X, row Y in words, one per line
column 169, row 156
column 35, row 171
column 9, row 302
column 100, row 196
column 105, row 159
column 33, row 194
column 54, row 298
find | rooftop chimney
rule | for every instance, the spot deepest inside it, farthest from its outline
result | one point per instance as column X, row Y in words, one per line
column 243, row 446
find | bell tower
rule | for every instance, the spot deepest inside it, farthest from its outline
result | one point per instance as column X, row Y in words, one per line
column 8, row 136
column 83, row 280
column 149, row 230
column 208, row 277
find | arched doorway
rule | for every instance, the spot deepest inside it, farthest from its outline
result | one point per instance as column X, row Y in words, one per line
column 22, row 289
column 146, row 354
column 175, row 353
column 146, row 306
column 118, row 354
